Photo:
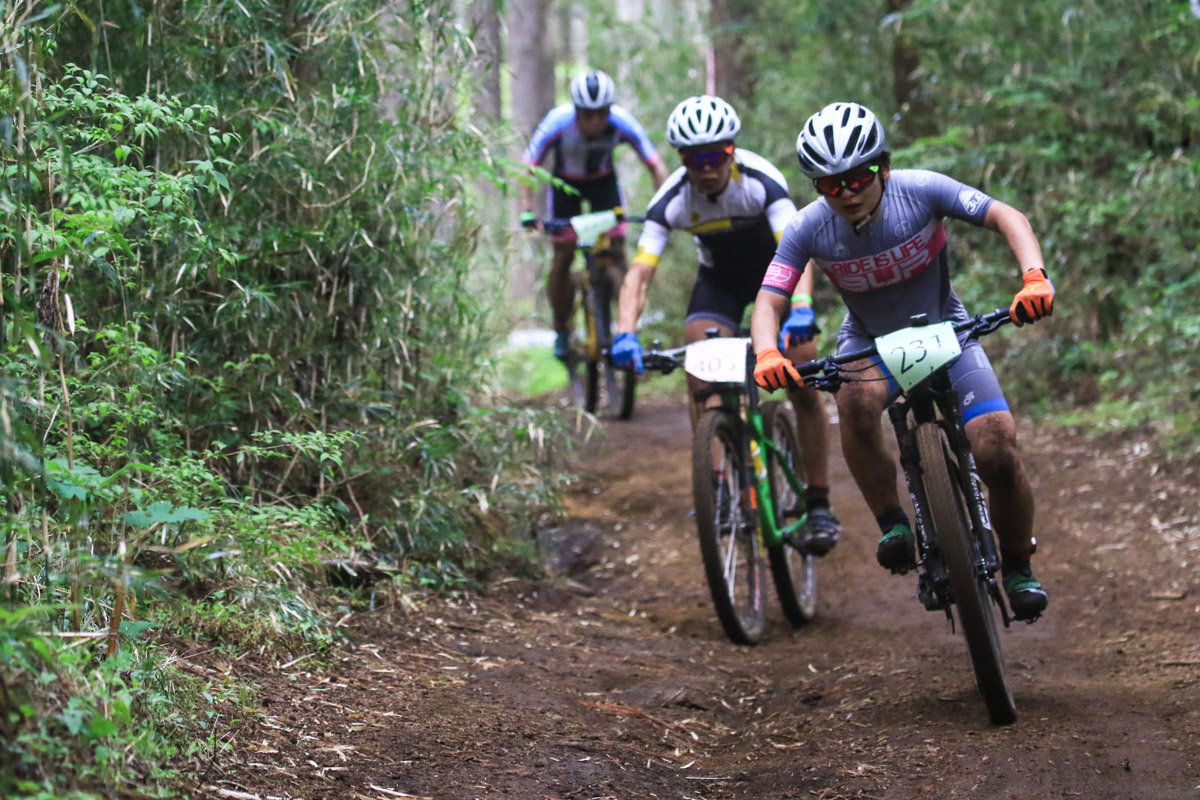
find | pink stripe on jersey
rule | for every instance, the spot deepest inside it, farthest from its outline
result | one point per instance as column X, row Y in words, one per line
column 782, row 277
column 904, row 261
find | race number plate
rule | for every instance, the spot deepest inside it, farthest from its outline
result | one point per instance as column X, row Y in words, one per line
column 913, row 354
column 588, row 227
column 720, row 360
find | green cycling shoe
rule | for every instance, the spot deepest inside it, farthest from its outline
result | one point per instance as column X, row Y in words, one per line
column 1026, row 597
column 897, row 550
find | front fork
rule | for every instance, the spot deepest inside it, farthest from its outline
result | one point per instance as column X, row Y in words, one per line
column 932, row 580
column 762, row 498
column 931, row 577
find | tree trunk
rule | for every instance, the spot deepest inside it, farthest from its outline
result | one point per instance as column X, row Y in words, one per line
column 485, row 22
column 532, row 66
column 917, row 111
column 732, row 58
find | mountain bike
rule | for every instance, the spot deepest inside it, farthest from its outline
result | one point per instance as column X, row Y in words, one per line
column 592, row 376
column 749, row 490
column 957, row 553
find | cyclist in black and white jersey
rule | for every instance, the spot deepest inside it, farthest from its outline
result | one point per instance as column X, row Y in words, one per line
column 735, row 204
column 879, row 235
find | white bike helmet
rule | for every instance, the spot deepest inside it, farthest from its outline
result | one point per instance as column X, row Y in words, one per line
column 592, row 90
column 702, row 120
column 837, row 138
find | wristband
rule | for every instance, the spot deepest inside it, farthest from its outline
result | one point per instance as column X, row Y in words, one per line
column 527, row 216
column 802, row 298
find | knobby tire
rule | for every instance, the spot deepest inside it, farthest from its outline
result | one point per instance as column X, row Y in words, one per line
column 607, row 388
column 792, row 570
column 729, row 544
column 949, row 517
column 628, row 393
column 593, row 371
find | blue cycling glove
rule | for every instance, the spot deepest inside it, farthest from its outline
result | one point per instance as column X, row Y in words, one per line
column 627, row 352
column 798, row 328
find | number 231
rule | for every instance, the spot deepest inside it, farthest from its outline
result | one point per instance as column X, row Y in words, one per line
column 911, row 349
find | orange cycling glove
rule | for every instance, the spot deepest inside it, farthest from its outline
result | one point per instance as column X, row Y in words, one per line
column 1036, row 298
column 772, row 371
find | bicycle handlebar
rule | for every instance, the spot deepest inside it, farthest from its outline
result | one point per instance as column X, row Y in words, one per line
column 826, row 373
column 664, row 361
column 556, row 225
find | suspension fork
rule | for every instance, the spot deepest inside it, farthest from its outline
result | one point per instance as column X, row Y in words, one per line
column 970, row 482
column 910, row 463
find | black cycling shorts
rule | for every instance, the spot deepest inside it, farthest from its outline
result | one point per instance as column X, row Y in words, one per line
column 602, row 194
column 723, row 297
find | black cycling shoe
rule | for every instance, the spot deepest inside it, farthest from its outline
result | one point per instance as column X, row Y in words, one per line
column 897, row 550
column 823, row 530
column 1026, row 597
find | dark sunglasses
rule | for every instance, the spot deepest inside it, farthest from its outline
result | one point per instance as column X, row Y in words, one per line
column 707, row 158
column 832, row 186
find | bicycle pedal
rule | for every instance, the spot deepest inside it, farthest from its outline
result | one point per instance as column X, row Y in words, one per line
column 926, row 594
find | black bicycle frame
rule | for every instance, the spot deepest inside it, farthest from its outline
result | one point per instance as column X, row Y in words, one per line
column 935, row 401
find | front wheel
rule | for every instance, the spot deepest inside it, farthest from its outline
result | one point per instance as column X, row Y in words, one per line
column 596, row 370
column 793, row 570
column 968, row 578
column 608, row 389
column 724, row 523
column 628, row 381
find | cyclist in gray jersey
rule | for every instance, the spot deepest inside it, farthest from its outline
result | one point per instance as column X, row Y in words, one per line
column 880, row 237
column 735, row 204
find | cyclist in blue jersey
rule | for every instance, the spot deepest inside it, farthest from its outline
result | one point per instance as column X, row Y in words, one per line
column 735, row 204
column 580, row 137
column 879, row 235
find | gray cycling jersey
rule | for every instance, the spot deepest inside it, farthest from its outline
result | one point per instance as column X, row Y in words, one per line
column 895, row 268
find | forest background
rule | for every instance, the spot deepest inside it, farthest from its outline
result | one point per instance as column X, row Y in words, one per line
column 259, row 260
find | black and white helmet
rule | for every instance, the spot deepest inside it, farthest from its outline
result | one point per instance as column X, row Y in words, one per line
column 592, row 90
column 702, row 120
column 837, row 138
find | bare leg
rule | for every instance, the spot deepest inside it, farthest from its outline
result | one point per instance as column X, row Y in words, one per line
column 860, row 406
column 558, row 286
column 694, row 331
column 1010, row 498
column 1010, row 501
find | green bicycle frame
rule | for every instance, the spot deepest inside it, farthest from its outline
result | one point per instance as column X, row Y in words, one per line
column 764, row 500
column 762, row 450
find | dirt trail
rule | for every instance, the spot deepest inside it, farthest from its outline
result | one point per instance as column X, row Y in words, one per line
column 613, row 679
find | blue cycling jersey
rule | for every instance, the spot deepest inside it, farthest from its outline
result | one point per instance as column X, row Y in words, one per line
column 577, row 157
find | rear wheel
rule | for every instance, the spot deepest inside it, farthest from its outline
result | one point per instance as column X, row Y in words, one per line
column 793, row 570
column 724, row 522
column 968, row 578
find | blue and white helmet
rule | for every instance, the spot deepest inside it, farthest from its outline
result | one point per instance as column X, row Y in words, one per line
column 837, row 138
column 702, row 120
column 593, row 90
